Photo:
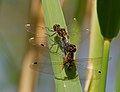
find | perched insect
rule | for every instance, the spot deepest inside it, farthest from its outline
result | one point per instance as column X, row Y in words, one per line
column 56, row 34
column 56, row 38
column 43, row 65
column 69, row 54
column 61, row 38
column 69, row 61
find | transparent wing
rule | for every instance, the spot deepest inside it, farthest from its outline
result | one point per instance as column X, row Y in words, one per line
column 43, row 63
column 77, row 34
column 44, row 38
column 46, row 67
column 42, row 29
column 94, row 67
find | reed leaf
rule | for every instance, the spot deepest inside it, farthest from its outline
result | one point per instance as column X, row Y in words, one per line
column 53, row 15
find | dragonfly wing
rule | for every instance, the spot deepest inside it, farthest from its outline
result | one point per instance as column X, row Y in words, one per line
column 96, row 74
column 76, row 34
column 44, row 38
column 43, row 43
column 44, row 31
column 42, row 67
column 91, row 61
column 31, row 29
column 84, row 61
column 94, row 67
column 46, row 67
column 43, row 63
column 84, row 69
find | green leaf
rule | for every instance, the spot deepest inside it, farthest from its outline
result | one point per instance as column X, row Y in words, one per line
column 95, row 50
column 109, row 17
column 53, row 15
column 80, row 10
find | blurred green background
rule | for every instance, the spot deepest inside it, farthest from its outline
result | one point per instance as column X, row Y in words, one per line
column 14, row 14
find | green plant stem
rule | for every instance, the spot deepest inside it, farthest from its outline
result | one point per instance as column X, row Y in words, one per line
column 117, row 87
column 104, row 65
column 95, row 48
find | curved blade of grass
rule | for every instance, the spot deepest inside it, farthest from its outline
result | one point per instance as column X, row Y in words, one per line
column 95, row 48
column 53, row 14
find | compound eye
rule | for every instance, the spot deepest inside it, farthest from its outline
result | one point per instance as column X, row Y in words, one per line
column 58, row 25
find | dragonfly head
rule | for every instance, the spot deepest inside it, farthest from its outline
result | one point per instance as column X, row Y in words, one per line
column 56, row 27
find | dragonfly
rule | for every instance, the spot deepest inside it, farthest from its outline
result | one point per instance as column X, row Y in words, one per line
column 44, row 65
column 56, row 34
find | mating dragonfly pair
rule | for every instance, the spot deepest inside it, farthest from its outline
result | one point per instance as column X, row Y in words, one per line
column 61, row 40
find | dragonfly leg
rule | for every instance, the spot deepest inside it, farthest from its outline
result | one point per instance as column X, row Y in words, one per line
column 49, row 29
column 50, row 35
column 57, row 49
column 52, row 45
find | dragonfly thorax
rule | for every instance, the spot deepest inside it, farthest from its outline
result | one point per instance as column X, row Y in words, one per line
column 62, row 32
